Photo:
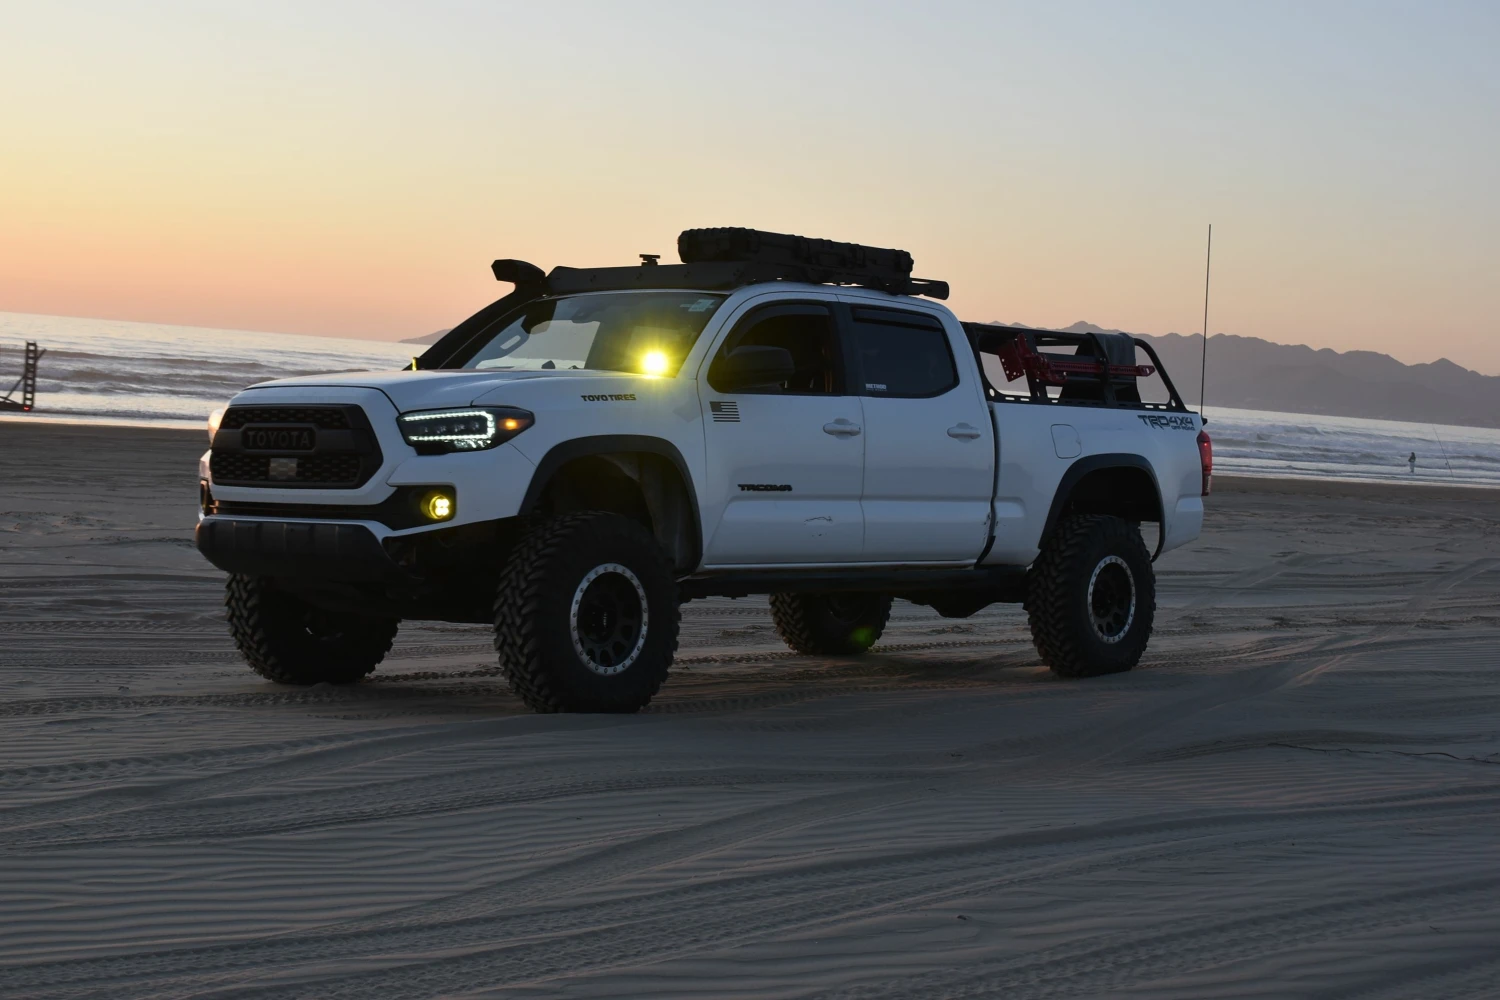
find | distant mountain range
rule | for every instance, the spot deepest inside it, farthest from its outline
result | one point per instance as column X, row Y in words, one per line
column 1253, row 374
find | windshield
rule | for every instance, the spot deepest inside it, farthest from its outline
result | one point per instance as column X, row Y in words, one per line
column 645, row 332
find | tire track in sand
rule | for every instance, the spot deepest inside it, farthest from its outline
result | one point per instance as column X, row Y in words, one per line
column 522, row 944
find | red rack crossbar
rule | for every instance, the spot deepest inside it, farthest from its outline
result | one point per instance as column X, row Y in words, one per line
column 1019, row 359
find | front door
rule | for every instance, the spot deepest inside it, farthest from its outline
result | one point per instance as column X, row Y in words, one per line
column 786, row 461
column 929, row 442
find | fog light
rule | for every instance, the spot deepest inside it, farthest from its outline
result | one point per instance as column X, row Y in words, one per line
column 438, row 506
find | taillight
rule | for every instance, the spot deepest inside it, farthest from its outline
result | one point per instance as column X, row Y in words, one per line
column 1206, row 457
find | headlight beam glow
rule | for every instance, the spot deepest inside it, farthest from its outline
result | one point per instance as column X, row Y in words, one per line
column 654, row 363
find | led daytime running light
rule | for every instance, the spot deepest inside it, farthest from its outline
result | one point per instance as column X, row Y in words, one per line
column 457, row 439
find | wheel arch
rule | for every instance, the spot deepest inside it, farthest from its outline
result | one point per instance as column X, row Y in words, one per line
column 593, row 472
column 1120, row 484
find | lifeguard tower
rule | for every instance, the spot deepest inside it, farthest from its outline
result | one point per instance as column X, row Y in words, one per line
column 26, row 384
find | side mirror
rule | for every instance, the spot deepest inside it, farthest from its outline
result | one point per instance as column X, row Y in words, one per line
column 751, row 366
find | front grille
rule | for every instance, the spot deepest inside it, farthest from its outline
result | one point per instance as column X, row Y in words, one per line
column 331, row 418
column 345, row 455
column 320, row 470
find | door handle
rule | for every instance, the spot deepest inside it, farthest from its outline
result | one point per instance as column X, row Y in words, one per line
column 842, row 428
column 964, row 432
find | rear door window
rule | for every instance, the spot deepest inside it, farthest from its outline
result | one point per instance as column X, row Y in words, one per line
column 902, row 354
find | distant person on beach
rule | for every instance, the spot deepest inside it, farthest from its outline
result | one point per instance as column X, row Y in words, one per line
column 1412, row 461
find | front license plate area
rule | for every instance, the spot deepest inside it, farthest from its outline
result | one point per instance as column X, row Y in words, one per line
column 279, row 438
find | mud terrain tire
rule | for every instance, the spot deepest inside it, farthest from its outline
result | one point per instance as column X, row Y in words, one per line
column 287, row 640
column 586, row 615
column 830, row 624
column 1091, row 597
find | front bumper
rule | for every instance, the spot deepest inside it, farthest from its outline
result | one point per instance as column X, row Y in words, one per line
column 297, row 549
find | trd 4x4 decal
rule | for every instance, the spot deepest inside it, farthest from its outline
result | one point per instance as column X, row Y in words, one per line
column 1167, row 423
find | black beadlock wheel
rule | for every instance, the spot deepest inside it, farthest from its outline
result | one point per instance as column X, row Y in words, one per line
column 830, row 624
column 586, row 615
column 287, row 640
column 1091, row 597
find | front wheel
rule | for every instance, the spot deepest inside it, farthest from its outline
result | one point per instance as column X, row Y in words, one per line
column 1091, row 597
column 830, row 624
column 586, row 616
column 287, row 640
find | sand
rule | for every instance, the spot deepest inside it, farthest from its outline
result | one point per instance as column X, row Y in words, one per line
column 1293, row 796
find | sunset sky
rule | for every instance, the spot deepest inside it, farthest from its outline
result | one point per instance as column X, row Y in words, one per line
column 352, row 168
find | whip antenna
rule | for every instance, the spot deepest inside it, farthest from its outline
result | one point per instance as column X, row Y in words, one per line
column 1203, row 369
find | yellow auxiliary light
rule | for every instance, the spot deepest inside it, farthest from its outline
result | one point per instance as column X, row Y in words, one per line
column 654, row 363
column 438, row 505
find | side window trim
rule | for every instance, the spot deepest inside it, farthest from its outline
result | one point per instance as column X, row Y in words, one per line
column 842, row 360
column 852, row 315
column 886, row 316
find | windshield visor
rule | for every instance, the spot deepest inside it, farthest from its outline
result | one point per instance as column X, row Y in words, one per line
column 646, row 333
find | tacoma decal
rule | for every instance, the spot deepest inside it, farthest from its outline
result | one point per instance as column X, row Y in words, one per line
column 1165, row 423
column 609, row 397
column 766, row 487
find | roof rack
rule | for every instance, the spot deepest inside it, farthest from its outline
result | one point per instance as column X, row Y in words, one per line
column 721, row 259
column 712, row 260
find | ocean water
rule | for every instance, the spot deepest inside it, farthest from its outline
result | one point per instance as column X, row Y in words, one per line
column 105, row 371
column 1300, row 445
column 116, row 372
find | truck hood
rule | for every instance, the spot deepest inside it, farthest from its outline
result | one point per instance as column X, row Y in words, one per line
column 431, row 390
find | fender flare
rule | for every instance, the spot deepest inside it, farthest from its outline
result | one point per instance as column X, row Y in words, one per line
column 614, row 444
column 1096, row 463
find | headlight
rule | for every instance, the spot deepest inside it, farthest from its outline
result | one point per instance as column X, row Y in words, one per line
column 214, row 420
column 435, row 432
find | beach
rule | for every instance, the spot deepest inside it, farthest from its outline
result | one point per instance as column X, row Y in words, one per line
column 1292, row 796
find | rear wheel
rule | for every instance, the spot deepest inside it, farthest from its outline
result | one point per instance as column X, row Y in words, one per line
column 586, row 616
column 830, row 624
column 289, row 641
column 1091, row 597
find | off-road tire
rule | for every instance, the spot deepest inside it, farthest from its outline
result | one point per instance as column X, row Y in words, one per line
column 289, row 641
column 1075, row 636
column 540, row 635
column 830, row 624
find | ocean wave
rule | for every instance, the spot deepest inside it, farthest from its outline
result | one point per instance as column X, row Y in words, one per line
column 96, row 369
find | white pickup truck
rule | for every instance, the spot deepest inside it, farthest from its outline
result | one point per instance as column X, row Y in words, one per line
column 773, row 416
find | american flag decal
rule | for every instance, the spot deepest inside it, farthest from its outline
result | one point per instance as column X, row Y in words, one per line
column 724, row 412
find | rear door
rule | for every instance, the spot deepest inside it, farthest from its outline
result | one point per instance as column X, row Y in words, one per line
column 929, row 448
column 786, row 462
